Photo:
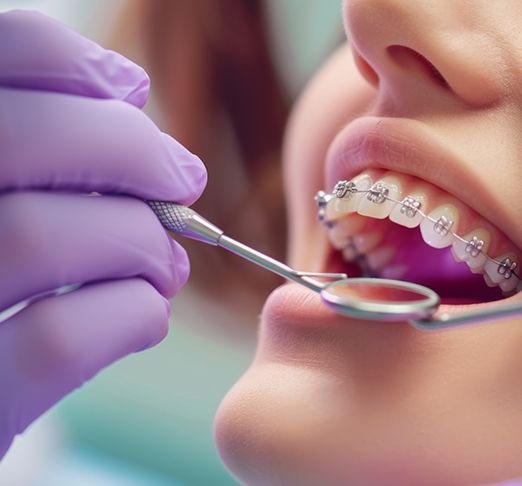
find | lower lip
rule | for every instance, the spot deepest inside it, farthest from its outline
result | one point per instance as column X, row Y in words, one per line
column 294, row 306
column 297, row 329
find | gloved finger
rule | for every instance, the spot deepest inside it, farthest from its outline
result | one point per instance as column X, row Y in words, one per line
column 49, row 240
column 38, row 52
column 55, row 345
column 56, row 141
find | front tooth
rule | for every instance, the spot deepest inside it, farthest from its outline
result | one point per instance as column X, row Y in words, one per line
column 376, row 203
column 501, row 273
column 473, row 251
column 437, row 229
column 409, row 211
column 343, row 228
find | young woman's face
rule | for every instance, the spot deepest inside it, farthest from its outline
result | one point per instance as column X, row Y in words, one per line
column 428, row 100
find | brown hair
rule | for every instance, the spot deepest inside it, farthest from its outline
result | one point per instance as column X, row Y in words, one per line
column 219, row 94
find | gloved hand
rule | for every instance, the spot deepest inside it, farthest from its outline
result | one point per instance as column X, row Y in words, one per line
column 70, row 125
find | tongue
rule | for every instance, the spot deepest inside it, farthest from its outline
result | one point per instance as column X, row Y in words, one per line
column 437, row 269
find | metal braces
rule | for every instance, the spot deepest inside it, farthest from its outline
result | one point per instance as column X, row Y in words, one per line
column 378, row 194
column 410, row 206
column 343, row 188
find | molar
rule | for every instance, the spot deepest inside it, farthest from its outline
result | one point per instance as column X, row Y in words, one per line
column 375, row 203
column 438, row 231
column 473, row 251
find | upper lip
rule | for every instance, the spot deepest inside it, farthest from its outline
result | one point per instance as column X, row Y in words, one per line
column 408, row 146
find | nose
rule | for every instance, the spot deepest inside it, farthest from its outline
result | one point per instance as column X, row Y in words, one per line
column 414, row 51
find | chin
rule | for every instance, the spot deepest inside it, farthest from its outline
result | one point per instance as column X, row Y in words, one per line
column 335, row 401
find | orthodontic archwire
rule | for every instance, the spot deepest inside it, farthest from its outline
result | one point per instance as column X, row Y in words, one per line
column 410, row 206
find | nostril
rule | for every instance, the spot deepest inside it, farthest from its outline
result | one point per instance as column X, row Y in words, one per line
column 410, row 59
column 365, row 69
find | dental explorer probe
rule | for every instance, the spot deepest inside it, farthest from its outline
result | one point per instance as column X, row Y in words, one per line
column 186, row 222
column 350, row 296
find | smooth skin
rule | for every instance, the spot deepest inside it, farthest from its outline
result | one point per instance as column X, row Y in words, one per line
column 336, row 401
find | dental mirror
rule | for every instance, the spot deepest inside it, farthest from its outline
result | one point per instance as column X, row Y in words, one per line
column 380, row 299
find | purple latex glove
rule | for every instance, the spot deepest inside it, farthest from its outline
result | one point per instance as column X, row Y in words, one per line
column 70, row 124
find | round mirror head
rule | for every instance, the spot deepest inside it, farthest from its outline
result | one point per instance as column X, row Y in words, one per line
column 380, row 299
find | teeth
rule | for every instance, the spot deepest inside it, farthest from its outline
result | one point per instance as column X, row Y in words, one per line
column 474, row 250
column 502, row 275
column 437, row 232
column 338, row 239
column 338, row 207
column 366, row 242
column 340, row 233
column 349, row 232
column 488, row 281
column 350, row 252
column 509, row 284
column 375, row 203
column 380, row 257
column 407, row 212
column 396, row 272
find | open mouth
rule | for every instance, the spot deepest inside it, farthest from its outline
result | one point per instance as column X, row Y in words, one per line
column 392, row 225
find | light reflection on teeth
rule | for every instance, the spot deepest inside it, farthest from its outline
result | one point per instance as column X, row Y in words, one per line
column 438, row 229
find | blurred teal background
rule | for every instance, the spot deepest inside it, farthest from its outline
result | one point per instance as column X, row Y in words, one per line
column 156, row 408
column 147, row 420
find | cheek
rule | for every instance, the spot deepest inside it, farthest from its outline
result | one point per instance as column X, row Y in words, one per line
column 335, row 96
column 278, row 425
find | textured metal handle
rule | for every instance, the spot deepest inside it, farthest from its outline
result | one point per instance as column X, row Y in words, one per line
column 185, row 221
